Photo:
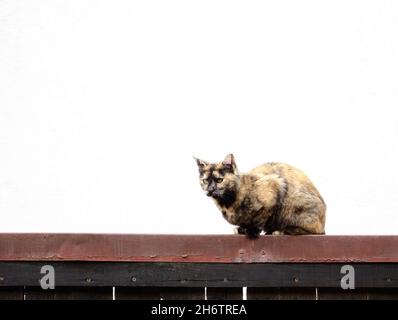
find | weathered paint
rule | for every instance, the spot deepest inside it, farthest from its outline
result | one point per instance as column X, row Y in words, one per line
column 198, row 248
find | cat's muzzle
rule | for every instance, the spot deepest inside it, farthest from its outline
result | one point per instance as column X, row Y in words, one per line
column 215, row 194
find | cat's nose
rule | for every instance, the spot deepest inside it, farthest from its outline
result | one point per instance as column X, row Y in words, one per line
column 212, row 188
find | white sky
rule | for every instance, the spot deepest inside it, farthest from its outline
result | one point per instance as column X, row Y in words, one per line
column 104, row 103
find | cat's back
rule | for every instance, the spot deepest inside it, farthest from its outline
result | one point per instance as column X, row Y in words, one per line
column 294, row 177
column 278, row 168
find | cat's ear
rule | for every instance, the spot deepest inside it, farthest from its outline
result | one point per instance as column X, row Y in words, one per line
column 229, row 162
column 201, row 163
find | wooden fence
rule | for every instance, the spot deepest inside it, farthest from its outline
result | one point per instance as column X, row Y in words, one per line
column 99, row 266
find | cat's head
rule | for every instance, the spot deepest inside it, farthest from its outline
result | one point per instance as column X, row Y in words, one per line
column 220, row 180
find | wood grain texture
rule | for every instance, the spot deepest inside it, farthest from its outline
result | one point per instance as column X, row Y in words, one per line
column 69, row 293
column 358, row 294
column 224, row 293
column 159, row 293
column 11, row 293
column 139, row 274
column 281, row 293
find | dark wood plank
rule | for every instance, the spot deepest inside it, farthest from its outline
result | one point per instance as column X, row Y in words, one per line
column 198, row 248
column 262, row 293
column 281, row 293
column 358, row 294
column 159, row 293
column 69, row 293
column 382, row 294
column 340, row 294
column 224, row 293
column 137, row 293
column 107, row 274
column 11, row 293
column 183, row 293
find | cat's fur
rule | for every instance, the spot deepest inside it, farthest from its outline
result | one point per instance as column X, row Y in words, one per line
column 273, row 197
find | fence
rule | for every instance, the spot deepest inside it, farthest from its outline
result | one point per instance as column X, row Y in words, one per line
column 99, row 266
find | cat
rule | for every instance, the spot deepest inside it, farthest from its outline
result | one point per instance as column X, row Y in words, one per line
column 274, row 197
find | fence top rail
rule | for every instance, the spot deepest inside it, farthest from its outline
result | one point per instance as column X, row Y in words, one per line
column 197, row 248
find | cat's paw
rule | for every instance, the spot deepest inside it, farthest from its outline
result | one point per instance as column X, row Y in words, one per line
column 277, row 233
column 239, row 230
column 252, row 234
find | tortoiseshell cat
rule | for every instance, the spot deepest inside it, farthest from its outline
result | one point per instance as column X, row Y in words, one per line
column 274, row 197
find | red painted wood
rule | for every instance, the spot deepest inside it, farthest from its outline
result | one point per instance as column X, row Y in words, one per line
column 197, row 248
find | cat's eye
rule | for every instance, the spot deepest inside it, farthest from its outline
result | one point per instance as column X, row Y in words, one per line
column 219, row 180
column 205, row 180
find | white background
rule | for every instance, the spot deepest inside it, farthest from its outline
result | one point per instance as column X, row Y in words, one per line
column 104, row 103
